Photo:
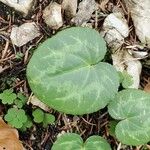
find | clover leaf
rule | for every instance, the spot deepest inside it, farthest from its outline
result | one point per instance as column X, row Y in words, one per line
column 72, row 141
column 132, row 108
column 20, row 100
column 41, row 117
column 48, row 119
column 67, row 74
column 27, row 124
column 16, row 117
column 8, row 96
column 38, row 115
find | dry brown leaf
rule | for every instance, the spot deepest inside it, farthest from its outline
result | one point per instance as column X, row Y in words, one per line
column 9, row 138
column 147, row 87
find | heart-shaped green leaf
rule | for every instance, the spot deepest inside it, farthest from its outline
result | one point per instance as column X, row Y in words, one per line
column 72, row 141
column 65, row 72
column 132, row 107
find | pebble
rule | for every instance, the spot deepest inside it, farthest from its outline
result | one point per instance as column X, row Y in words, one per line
column 24, row 33
column 69, row 8
column 85, row 10
column 140, row 11
column 115, row 29
column 52, row 16
column 23, row 6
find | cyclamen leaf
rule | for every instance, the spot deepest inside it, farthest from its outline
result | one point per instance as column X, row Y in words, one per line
column 132, row 107
column 72, row 141
column 65, row 72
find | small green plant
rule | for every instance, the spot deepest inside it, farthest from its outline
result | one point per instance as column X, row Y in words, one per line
column 8, row 97
column 41, row 117
column 16, row 117
column 125, row 79
column 70, row 62
column 72, row 141
column 112, row 127
column 20, row 101
column 19, row 55
column 28, row 124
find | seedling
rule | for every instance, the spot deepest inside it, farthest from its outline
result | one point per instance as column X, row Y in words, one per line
column 27, row 124
column 67, row 74
column 111, row 128
column 8, row 96
column 20, row 100
column 16, row 117
column 41, row 117
column 19, row 55
column 72, row 141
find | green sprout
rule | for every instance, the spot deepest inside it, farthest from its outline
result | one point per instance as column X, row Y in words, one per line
column 8, row 96
column 16, row 117
column 41, row 117
column 20, row 100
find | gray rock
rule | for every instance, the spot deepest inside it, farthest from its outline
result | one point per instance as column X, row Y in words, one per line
column 52, row 16
column 140, row 13
column 69, row 8
column 23, row 6
column 115, row 29
column 24, row 33
column 86, row 8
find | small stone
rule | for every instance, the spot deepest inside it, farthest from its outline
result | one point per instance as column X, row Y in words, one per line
column 52, row 16
column 24, row 33
column 86, row 8
column 140, row 11
column 23, row 6
column 115, row 29
column 123, row 61
column 69, row 8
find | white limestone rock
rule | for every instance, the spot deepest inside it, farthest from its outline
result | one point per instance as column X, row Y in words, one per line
column 52, row 16
column 123, row 61
column 85, row 10
column 24, row 33
column 140, row 13
column 23, row 6
column 115, row 29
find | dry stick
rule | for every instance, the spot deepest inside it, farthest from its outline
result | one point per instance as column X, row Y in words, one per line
column 45, row 137
column 123, row 8
column 119, row 146
column 18, row 84
column 118, row 2
column 2, row 60
column 96, row 20
column 88, row 122
column 5, row 49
